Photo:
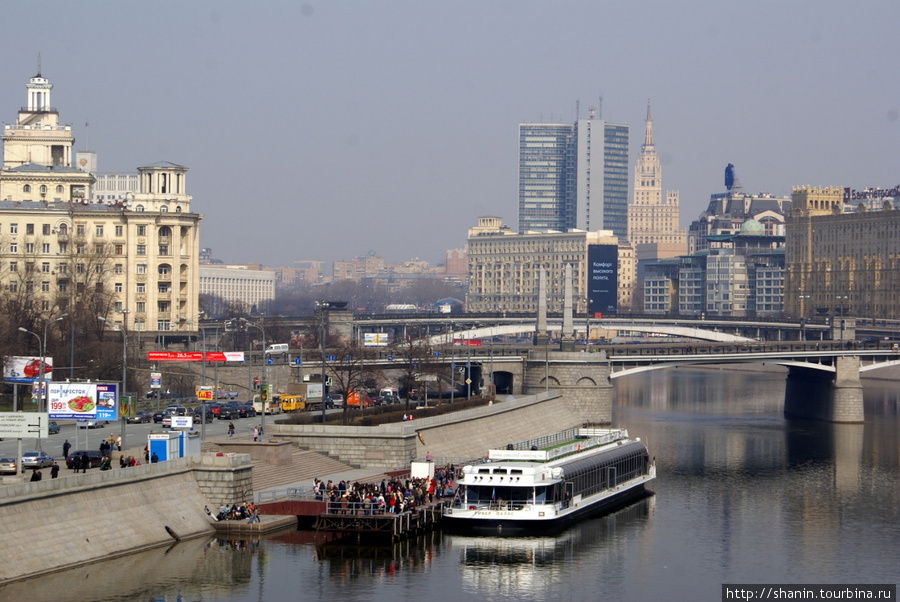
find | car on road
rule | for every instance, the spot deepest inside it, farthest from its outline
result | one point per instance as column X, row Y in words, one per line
column 247, row 409
column 8, row 466
column 91, row 424
column 227, row 412
column 167, row 420
column 198, row 415
column 53, row 427
column 139, row 417
column 36, row 459
column 158, row 416
column 178, row 410
column 95, row 456
column 213, row 407
column 334, row 400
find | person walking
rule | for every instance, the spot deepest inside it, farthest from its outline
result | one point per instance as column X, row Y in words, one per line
column 85, row 462
column 231, row 429
column 54, row 470
column 255, row 433
column 119, row 443
column 66, row 447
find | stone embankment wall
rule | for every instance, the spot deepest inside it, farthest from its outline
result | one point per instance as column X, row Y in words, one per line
column 56, row 523
column 460, row 436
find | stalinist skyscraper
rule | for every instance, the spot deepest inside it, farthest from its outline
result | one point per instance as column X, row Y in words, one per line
column 653, row 220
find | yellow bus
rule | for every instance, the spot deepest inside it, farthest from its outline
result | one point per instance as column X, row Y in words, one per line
column 292, row 403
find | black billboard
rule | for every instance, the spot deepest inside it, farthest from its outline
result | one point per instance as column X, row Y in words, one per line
column 603, row 279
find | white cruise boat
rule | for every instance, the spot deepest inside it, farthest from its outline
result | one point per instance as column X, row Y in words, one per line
column 551, row 481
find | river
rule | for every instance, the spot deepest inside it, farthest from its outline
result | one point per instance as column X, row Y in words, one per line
column 742, row 496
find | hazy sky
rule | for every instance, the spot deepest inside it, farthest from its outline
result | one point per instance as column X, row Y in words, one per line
column 329, row 129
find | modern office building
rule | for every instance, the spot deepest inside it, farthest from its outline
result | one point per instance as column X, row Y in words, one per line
column 736, row 275
column 653, row 227
column 251, row 288
column 133, row 257
column 504, row 268
column 573, row 176
column 843, row 253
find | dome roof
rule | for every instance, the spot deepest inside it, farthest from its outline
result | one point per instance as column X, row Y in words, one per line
column 751, row 226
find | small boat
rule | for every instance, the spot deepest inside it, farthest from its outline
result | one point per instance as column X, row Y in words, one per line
column 547, row 483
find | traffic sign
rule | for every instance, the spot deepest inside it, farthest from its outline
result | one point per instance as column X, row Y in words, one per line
column 330, row 358
column 468, row 381
column 390, row 358
column 270, row 361
column 298, row 361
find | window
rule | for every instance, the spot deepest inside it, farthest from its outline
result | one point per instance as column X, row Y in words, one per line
column 119, row 249
column 43, row 189
column 45, row 287
column 29, row 229
column 163, row 249
column 163, row 209
column 45, row 248
column 63, row 229
column 139, row 307
column 29, row 267
column 59, row 189
column 63, row 268
column 120, row 230
column 79, row 230
column 13, row 247
column 139, row 208
column 26, row 188
column 141, row 287
column 45, row 229
column 79, row 249
column 14, row 228
column 45, row 267
column 162, row 324
column 142, row 268
column 63, row 248
column 142, row 230
column 98, row 249
column 13, row 266
column 163, row 270
column 117, row 287
column 163, row 287
column 13, row 286
column 99, row 230
column 29, row 287
column 141, row 250
column 79, row 268
column 117, row 307
column 98, row 269
column 63, row 287
column 163, row 306
column 29, row 247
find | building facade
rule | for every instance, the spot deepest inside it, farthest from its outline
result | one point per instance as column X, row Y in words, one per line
column 573, row 176
column 132, row 259
column 504, row 267
column 653, row 228
column 243, row 285
column 842, row 256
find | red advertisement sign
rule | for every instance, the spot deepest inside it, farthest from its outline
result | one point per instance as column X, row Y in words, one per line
column 195, row 356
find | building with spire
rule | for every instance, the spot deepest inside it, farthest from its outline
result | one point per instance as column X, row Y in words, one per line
column 653, row 228
column 132, row 258
column 573, row 176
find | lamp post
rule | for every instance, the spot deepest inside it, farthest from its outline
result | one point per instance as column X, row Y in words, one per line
column 262, row 383
column 841, row 299
column 42, row 345
column 803, row 298
column 124, row 364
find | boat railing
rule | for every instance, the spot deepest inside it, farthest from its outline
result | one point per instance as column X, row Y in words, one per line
column 460, row 502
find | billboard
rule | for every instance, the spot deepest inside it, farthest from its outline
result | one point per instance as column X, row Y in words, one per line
column 26, row 369
column 83, row 401
column 603, row 279
column 376, row 339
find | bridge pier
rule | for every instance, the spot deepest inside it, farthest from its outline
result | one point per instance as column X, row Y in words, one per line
column 811, row 393
column 582, row 380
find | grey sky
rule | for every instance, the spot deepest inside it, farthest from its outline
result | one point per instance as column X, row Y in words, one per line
column 325, row 130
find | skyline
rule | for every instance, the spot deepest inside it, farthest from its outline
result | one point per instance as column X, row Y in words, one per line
column 404, row 116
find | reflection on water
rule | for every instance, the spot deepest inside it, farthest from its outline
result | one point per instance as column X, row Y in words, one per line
column 742, row 496
column 524, row 567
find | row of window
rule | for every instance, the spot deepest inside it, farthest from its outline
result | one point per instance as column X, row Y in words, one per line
column 81, row 230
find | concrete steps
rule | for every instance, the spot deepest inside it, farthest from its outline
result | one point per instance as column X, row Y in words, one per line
column 305, row 465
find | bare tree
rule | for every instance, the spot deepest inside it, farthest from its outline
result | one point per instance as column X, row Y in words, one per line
column 352, row 370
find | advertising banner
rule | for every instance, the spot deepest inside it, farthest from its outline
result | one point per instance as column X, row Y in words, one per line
column 26, row 369
column 195, row 356
column 603, row 279
column 376, row 339
column 82, row 401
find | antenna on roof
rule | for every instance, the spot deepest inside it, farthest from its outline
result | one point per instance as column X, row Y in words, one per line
column 39, row 64
column 600, row 109
column 577, row 110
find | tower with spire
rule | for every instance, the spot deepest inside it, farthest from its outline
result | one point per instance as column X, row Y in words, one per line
column 653, row 217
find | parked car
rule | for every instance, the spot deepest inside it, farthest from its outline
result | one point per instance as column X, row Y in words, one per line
column 334, row 400
column 95, row 456
column 139, row 417
column 167, row 420
column 36, row 459
column 8, row 466
column 178, row 410
column 53, row 427
column 91, row 424
column 213, row 407
column 227, row 413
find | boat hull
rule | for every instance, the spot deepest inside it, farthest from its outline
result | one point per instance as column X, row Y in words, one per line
column 463, row 523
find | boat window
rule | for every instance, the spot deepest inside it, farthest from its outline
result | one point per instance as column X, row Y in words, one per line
column 516, row 471
column 484, row 471
column 499, row 471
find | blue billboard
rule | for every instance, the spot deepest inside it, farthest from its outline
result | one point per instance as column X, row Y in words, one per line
column 603, row 279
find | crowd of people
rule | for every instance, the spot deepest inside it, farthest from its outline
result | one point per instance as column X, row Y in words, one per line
column 392, row 496
column 247, row 511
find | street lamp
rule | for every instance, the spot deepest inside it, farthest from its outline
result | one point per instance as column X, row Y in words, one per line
column 124, row 363
column 263, row 382
column 842, row 298
column 803, row 298
column 42, row 344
